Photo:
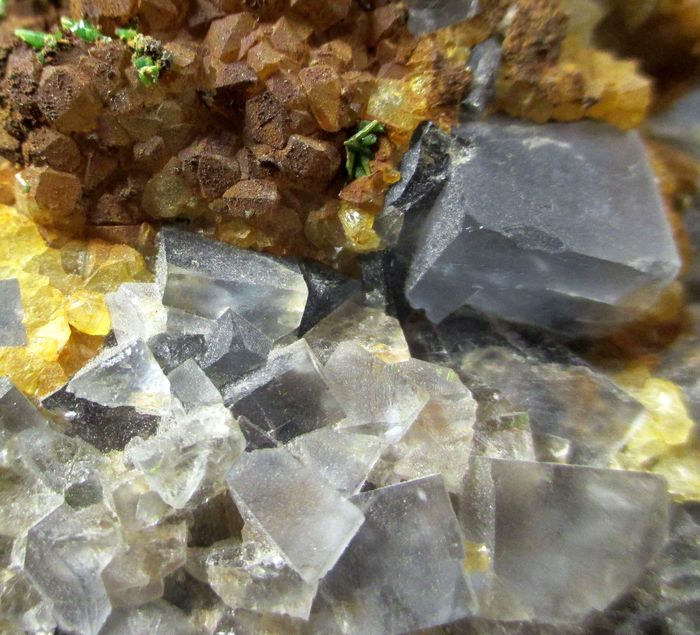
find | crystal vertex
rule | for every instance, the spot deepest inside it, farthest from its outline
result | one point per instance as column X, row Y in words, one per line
column 66, row 554
column 560, row 226
column 403, row 570
column 127, row 375
column 287, row 397
column 307, row 520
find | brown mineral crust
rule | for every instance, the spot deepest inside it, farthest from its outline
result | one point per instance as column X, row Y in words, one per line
column 216, row 174
column 50, row 147
column 242, row 134
column 266, row 121
column 66, row 98
column 309, row 163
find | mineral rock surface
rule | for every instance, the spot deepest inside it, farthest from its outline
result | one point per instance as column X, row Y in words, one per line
column 560, row 226
column 12, row 331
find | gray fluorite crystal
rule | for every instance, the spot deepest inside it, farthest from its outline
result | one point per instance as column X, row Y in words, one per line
column 557, row 225
column 208, row 278
column 403, row 570
column 565, row 540
column 12, row 332
column 298, row 512
column 484, row 62
column 680, row 124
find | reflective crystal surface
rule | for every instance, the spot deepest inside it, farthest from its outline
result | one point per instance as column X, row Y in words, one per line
column 303, row 516
column 207, row 278
column 126, row 375
column 556, row 225
column 565, row 540
column 287, row 397
column 403, row 570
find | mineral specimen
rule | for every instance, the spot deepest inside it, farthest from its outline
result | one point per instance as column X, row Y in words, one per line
column 571, row 235
column 379, row 585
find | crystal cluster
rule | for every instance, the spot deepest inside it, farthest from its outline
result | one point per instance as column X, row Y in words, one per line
column 53, row 315
column 210, row 471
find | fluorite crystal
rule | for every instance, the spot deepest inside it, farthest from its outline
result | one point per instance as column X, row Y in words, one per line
column 302, row 515
column 566, row 540
column 570, row 234
column 208, row 278
column 380, row 584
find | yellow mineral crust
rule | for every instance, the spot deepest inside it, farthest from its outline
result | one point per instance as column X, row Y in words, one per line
column 551, row 71
column 62, row 292
column 664, row 442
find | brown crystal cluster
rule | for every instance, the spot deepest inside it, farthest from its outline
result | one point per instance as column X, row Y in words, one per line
column 242, row 134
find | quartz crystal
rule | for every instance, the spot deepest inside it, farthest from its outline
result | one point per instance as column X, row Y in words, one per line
column 403, row 570
column 304, row 517
column 207, row 278
column 588, row 249
column 127, row 375
column 568, row 540
column 12, row 332
column 287, row 397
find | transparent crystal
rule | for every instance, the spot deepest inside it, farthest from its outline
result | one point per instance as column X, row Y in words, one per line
column 207, row 278
column 126, row 375
column 294, row 508
column 12, row 331
column 403, row 570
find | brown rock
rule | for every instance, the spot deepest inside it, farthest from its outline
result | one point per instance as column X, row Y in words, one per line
column 104, row 65
column 246, row 199
column 287, row 90
column 99, row 168
column 322, row 13
column 56, row 150
column 335, row 53
column 216, row 174
column 309, row 163
column 258, row 162
column 323, row 89
column 67, row 99
column 264, row 59
column 53, row 196
column 124, row 9
column 266, row 9
column 267, row 121
column 388, row 20
column 112, row 209
column 234, row 83
column 223, row 40
column 151, row 154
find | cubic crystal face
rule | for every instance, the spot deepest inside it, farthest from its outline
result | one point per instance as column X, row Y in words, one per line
column 307, row 520
column 567, row 540
column 403, row 570
column 207, row 278
column 559, row 225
